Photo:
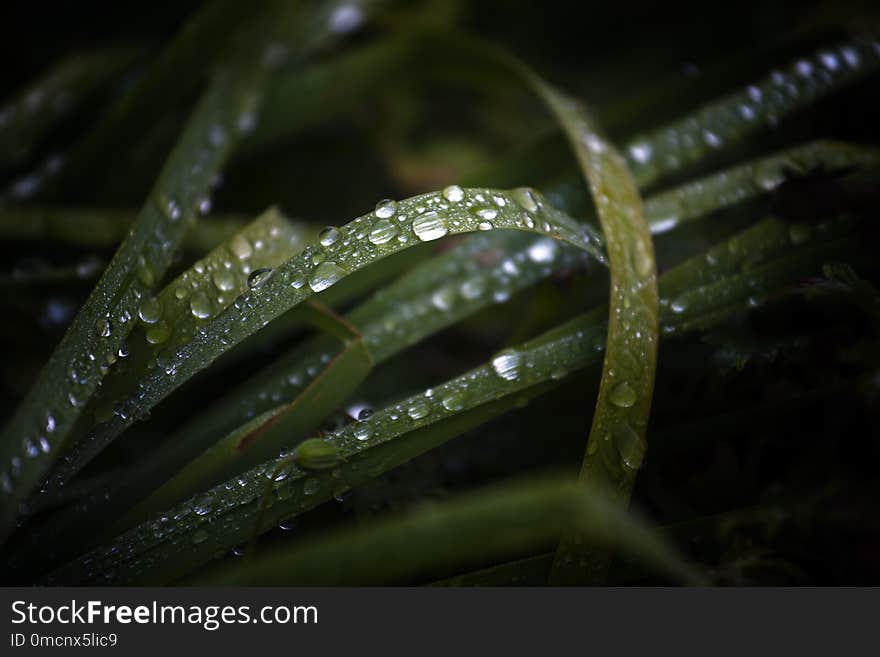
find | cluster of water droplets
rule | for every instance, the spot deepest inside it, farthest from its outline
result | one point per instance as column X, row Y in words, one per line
column 762, row 103
column 667, row 210
column 223, row 517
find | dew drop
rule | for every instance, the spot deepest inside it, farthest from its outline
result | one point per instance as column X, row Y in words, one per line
column 507, row 364
column 158, row 333
column 453, row 402
column 622, row 395
column 103, row 328
column 386, row 208
column 429, row 226
column 526, row 199
column 224, row 280
column 678, row 306
column 362, row 432
column 418, row 409
column 325, row 275
column 200, row 305
column 383, row 231
column 258, row 277
column 443, row 299
column 204, row 505
column 240, row 247
column 150, row 311
column 453, row 193
column 329, row 236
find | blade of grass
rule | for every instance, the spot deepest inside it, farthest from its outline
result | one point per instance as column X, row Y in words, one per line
column 101, row 227
column 176, row 314
column 392, row 228
column 179, row 539
column 616, row 444
column 509, row 519
column 73, row 373
column 729, row 119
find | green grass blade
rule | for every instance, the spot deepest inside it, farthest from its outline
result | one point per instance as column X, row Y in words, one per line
column 178, row 540
column 729, row 119
column 668, row 210
column 286, row 425
column 616, row 443
column 392, row 228
column 508, row 519
column 100, row 227
column 74, row 371
column 185, row 305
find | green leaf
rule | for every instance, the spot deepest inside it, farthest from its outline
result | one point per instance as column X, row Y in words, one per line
column 74, row 371
column 716, row 125
column 179, row 311
column 178, row 540
column 391, row 228
column 508, row 519
column 101, row 228
column 616, row 444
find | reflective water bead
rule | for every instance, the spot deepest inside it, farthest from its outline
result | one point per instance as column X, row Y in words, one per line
column 453, row 193
column 623, row 395
column 258, row 277
column 329, row 235
column 224, row 280
column 506, row 364
column 200, row 305
column 386, row 208
column 150, row 311
column 383, row 231
column 429, row 226
column 526, row 199
column 325, row 275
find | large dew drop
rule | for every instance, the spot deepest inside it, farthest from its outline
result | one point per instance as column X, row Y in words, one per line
column 386, row 208
column 526, row 199
column 329, row 236
column 325, row 275
column 622, row 395
column 507, row 364
column 383, row 231
column 429, row 226
column 200, row 305
column 453, row 194
column 150, row 311
column 258, row 277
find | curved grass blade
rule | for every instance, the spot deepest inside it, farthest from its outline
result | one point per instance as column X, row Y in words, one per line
column 32, row 114
column 487, row 268
column 510, row 519
column 616, row 444
column 101, row 228
column 178, row 540
column 393, row 227
column 281, row 427
column 73, row 373
column 183, row 306
column 668, row 149
column 453, row 279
